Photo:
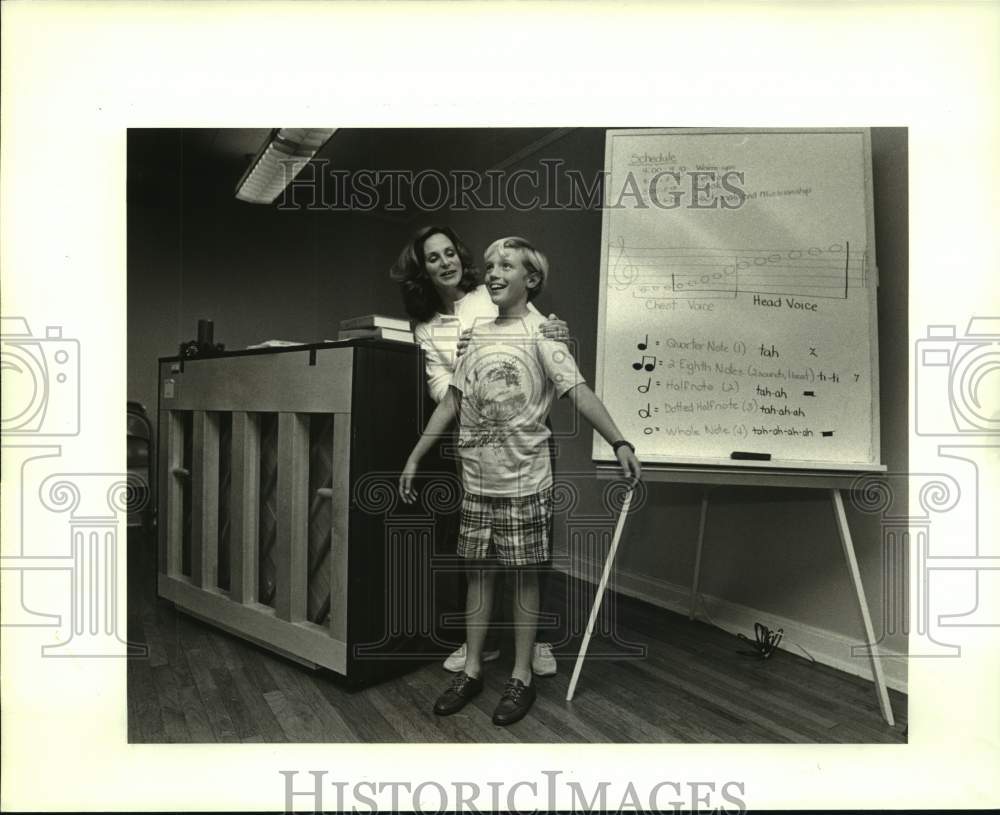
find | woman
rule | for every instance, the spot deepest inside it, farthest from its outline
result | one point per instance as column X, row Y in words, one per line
column 443, row 293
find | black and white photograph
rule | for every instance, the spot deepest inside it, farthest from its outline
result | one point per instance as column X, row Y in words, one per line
column 527, row 407
column 651, row 482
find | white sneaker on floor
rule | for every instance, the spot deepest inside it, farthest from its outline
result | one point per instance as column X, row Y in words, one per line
column 456, row 660
column 542, row 661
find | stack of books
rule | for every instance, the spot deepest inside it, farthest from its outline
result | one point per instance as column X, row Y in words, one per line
column 375, row 326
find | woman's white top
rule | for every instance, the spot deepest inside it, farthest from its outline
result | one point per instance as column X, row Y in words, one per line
column 439, row 336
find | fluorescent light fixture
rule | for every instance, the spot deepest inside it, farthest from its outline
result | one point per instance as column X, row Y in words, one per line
column 282, row 157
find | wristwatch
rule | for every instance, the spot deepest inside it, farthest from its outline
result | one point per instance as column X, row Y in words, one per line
column 622, row 443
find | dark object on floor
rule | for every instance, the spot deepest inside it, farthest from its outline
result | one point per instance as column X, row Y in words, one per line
column 517, row 700
column 462, row 690
column 767, row 640
column 139, row 459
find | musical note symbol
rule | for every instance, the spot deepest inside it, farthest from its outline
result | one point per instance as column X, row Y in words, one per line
column 642, row 346
column 645, row 412
column 644, row 364
column 644, row 388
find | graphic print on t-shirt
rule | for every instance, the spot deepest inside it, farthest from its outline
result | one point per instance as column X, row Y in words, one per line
column 503, row 392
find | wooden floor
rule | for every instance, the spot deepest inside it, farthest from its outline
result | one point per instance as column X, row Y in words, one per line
column 695, row 683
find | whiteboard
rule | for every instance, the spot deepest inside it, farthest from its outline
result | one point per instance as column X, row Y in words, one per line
column 737, row 317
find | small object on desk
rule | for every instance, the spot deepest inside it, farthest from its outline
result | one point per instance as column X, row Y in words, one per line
column 741, row 456
column 375, row 321
column 205, row 345
column 274, row 344
column 376, row 334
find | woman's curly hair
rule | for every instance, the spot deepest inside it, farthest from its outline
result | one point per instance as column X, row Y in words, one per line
column 420, row 298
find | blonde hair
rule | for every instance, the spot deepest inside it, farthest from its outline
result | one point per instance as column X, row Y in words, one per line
column 533, row 260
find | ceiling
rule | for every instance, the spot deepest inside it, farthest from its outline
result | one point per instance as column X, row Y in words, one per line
column 210, row 161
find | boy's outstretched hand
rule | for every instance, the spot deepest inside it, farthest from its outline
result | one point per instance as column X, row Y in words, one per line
column 631, row 468
column 406, row 490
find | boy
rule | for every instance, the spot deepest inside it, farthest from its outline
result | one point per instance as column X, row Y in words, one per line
column 502, row 389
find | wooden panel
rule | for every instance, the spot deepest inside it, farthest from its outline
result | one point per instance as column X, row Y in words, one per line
column 341, row 516
column 205, row 500
column 392, row 387
column 292, row 546
column 257, row 622
column 266, row 383
column 243, row 507
column 320, row 517
column 171, row 454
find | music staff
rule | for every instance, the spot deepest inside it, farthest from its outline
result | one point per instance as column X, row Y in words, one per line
column 830, row 272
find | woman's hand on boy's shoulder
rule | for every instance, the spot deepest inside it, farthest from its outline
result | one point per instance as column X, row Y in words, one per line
column 463, row 342
column 554, row 329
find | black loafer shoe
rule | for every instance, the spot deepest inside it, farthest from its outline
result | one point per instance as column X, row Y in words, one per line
column 463, row 688
column 516, row 701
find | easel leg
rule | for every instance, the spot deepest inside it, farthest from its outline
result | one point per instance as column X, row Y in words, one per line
column 608, row 562
column 852, row 567
column 697, row 555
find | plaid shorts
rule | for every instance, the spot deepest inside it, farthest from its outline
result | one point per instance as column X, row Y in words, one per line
column 515, row 531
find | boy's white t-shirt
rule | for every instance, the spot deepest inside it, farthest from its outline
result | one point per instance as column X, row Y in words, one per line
column 507, row 379
column 439, row 336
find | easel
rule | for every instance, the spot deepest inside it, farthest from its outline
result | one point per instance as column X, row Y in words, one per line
column 831, row 482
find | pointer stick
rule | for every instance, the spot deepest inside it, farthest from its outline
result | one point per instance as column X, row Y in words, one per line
column 600, row 595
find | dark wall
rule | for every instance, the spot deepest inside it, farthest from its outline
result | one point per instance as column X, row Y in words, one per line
column 261, row 273
column 194, row 251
